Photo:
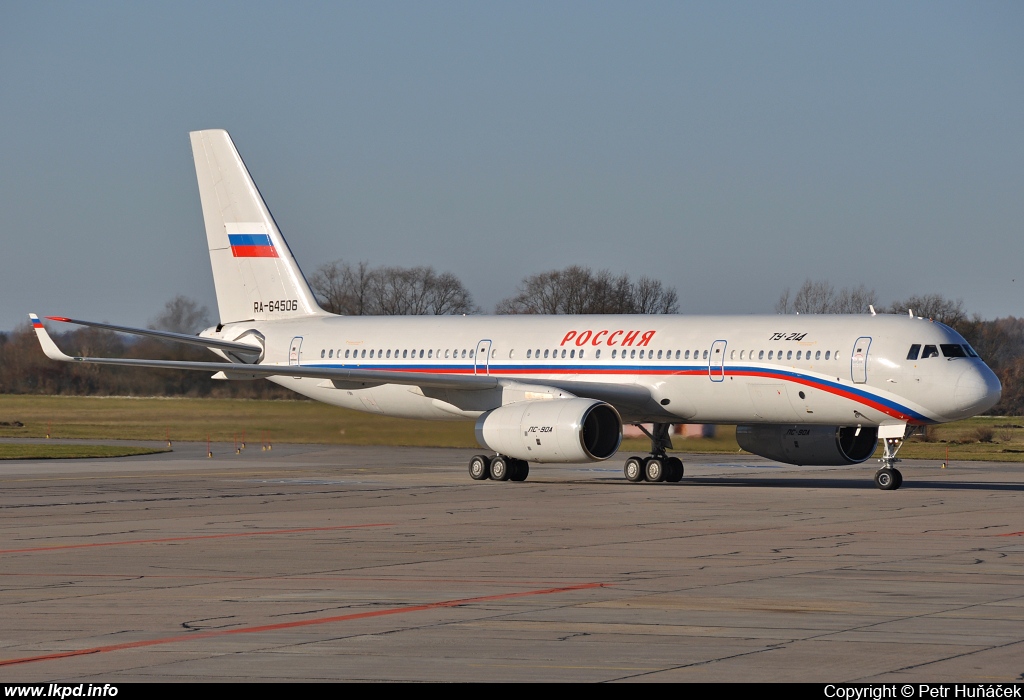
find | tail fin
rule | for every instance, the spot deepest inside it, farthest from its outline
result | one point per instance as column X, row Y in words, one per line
column 253, row 270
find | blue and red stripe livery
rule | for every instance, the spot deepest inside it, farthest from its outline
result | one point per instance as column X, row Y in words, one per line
column 251, row 245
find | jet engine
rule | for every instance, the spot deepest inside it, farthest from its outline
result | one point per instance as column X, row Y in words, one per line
column 554, row 430
column 820, row 445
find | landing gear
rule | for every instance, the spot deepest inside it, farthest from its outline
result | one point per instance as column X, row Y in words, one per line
column 658, row 466
column 888, row 477
column 634, row 469
column 499, row 468
column 480, row 467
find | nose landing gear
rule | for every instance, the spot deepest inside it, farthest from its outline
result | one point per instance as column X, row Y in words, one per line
column 888, row 477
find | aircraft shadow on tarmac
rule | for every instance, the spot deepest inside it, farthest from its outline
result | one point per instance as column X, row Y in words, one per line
column 860, row 484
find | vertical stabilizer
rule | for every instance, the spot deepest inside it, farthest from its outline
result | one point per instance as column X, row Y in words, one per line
column 253, row 270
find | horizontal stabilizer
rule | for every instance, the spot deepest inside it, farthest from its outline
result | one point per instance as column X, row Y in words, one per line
column 244, row 349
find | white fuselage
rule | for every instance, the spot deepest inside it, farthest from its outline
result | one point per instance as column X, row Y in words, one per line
column 825, row 370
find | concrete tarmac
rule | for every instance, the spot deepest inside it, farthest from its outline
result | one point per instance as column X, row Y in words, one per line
column 332, row 563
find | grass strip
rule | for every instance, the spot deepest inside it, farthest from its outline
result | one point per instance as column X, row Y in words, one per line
column 43, row 451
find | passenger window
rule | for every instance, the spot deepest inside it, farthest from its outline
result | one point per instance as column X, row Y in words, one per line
column 705, row 354
column 817, row 354
column 363, row 354
column 614, row 353
column 405, row 353
column 677, row 354
column 770, row 352
column 687, row 355
column 826, row 354
column 471, row 353
column 446, row 354
column 430, row 353
column 915, row 350
column 742, row 353
column 798, row 353
column 632, row 354
column 563, row 353
column 760, row 355
column 572, row 354
column 929, row 351
column 659, row 354
column 581, row 354
column 323, row 354
column 732, row 355
column 952, row 351
column 528, row 355
column 789, row 355
column 597, row 355
column 641, row 354
column 346, row 354
column 330, row 354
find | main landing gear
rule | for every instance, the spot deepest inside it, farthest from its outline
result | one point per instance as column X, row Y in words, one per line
column 888, row 477
column 498, row 468
column 658, row 466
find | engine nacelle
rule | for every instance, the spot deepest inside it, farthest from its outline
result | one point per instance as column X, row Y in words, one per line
column 821, row 445
column 555, row 430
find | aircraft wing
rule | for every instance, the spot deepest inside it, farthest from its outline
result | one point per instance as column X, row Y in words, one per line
column 617, row 394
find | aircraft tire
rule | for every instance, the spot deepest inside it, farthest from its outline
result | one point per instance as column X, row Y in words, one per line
column 501, row 468
column 480, row 467
column 899, row 477
column 634, row 469
column 887, row 480
column 674, row 470
column 654, row 470
column 520, row 470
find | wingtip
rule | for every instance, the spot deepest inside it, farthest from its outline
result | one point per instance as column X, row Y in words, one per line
column 50, row 348
column 62, row 319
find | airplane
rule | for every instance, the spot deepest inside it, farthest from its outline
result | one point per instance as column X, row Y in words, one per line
column 801, row 389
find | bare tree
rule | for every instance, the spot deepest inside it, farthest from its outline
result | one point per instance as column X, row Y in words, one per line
column 389, row 291
column 182, row 315
column 578, row 290
column 934, row 306
column 820, row 297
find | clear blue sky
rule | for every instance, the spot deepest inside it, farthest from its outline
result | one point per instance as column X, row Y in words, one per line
column 728, row 149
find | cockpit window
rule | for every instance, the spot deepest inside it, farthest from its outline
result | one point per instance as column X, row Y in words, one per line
column 929, row 351
column 953, row 351
column 915, row 350
column 970, row 351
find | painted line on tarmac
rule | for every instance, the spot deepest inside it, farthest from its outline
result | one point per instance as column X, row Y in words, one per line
column 299, row 623
column 186, row 538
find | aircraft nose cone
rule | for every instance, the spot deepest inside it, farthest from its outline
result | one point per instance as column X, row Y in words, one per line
column 977, row 390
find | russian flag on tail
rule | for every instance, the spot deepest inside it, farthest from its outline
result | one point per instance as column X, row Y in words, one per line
column 251, row 245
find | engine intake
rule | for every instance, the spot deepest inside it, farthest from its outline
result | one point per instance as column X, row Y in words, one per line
column 555, row 430
column 820, row 445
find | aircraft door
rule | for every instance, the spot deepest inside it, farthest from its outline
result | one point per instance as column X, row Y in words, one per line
column 859, row 360
column 716, row 361
column 482, row 358
column 295, row 351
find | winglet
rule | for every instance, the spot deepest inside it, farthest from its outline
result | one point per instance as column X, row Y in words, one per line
column 49, row 347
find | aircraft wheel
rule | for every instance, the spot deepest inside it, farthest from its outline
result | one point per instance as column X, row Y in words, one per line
column 899, row 477
column 520, row 470
column 480, row 467
column 654, row 470
column 887, row 480
column 673, row 469
column 500, row 468
column 634, row 469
